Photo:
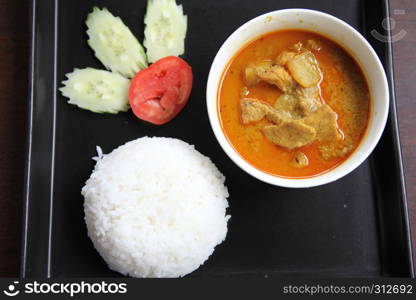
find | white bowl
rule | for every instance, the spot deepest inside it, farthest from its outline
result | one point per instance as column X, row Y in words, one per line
column 336, row 30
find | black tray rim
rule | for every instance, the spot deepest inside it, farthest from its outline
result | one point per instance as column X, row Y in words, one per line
column 29, row 143
column 29, row 134
column 396, row 132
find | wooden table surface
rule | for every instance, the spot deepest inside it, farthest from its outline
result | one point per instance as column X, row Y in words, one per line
column 14, row 47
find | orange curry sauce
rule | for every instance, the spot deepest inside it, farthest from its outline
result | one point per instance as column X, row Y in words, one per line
column 342, row 79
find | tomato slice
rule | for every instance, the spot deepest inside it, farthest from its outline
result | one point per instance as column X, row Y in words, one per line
column 158, row 93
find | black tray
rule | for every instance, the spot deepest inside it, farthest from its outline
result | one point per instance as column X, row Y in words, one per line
column 357, row 226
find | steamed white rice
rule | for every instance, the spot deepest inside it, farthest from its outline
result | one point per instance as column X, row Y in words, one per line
column 155, row 207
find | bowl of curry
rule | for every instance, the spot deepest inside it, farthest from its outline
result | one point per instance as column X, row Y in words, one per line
column 297, row 98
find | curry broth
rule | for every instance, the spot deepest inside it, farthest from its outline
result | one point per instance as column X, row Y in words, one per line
column 342, row 79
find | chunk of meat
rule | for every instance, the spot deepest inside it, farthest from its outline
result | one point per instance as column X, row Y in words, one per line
column 275, row 116
column 300, row 160
column 278, row 76
column 307, row 106
column 299, row 104
column 309, row 100
column 283, row 58
column 252, row 110
column 305, row 69
column 270, row 73
column 324, row 120
column 288, row 105
column 290, row 134
column 251, row 76
column 309, row 92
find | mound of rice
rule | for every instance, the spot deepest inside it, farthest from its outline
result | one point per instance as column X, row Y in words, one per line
column 155, row 207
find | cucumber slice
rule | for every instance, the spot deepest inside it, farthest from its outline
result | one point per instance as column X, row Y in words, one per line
column 97, row 90
column 114, row 44
column 165, row 30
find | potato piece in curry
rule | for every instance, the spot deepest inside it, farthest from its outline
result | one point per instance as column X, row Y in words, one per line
column 305, row 69
column 304, row 106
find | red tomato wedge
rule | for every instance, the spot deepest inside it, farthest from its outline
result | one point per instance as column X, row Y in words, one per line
column 158, row 93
